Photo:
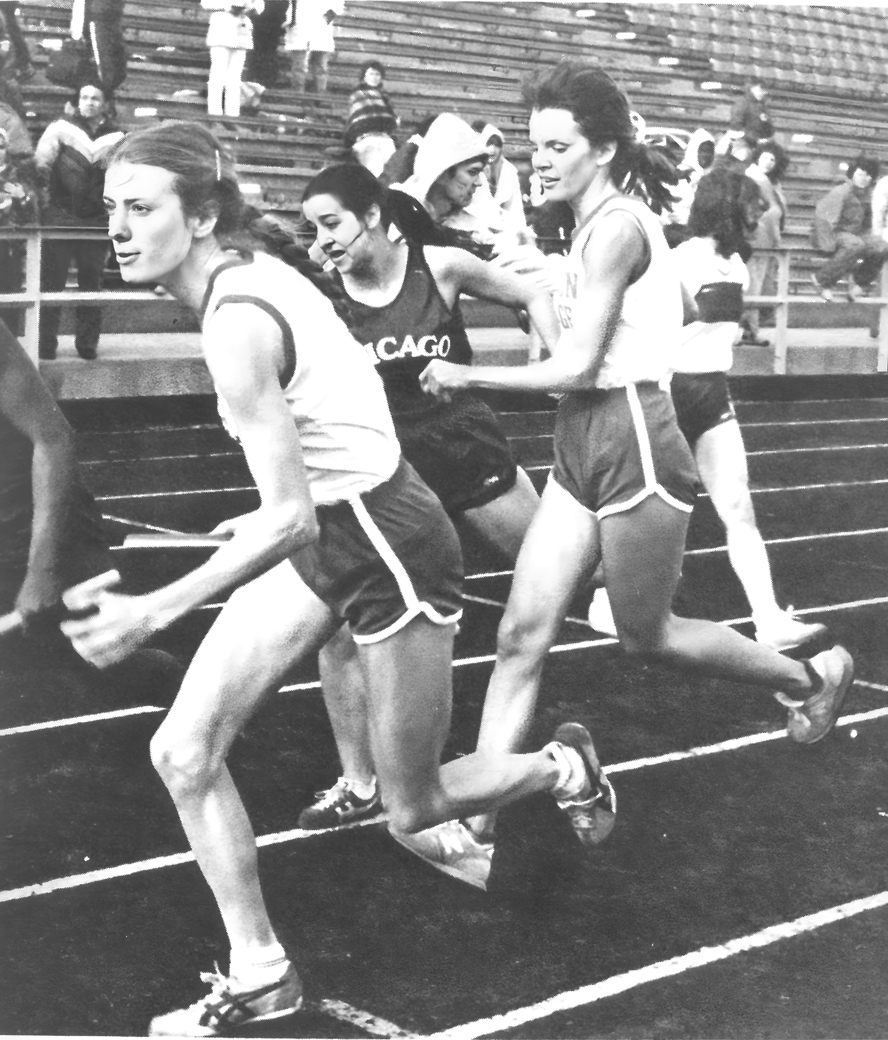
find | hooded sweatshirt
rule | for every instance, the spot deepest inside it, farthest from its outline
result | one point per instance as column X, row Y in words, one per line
column 507, row 191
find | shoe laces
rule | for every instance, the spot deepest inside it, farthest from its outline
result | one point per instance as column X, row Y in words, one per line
column 219, row 987
column 339, row 792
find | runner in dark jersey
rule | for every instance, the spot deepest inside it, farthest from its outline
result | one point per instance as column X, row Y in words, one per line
column 404, row 309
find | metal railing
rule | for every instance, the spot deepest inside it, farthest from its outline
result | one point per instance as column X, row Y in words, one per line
column 33, row 300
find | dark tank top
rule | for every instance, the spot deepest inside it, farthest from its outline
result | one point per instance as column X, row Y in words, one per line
column 405, row 335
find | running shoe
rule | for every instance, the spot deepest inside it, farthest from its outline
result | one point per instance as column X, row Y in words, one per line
column 593, row 811
column 451, row 848
column 337, row 806
column 811, row 719
column 600, row 616
column 230, row 1007
column 783, row 631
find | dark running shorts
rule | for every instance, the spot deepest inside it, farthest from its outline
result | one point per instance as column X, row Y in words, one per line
column 386, row 557
column 615, row 448
column 459, row 451
column 702, row 402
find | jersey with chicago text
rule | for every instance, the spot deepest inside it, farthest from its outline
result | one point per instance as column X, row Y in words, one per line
column 402, row 337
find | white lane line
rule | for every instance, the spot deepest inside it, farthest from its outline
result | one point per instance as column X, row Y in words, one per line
column 732, row 745
column 101, row 716
column 157, row 863
column 372, row 1024
column 136, row 523
column 819, row 447
column 824, row 536
column 297, row 834
column 813, row 422
column 163, row 458
column 173, row 494
column 586, row 995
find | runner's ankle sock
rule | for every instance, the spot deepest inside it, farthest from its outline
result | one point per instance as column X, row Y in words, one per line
column 259, row 967
column 363, row 789
column 571, row 782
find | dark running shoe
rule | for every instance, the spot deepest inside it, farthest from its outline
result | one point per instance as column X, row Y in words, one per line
column 810, row 720
column 229, row 1007
column 593, row 812
column 337, row 806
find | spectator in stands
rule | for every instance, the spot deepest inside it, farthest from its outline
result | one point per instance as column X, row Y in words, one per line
column 309, row 36
column 371, row 121
column 770, row 161
column 101, row 23
column 229, row 37
column 750, row 118
column 732, row 153
column 400, row 165
column 18, row 206
column 880, row 209
column 21, row 66
column 268, row 27
column 17, row 136
column 68, row 158
column 843, row 229
column 697, row 159
column 502, row 177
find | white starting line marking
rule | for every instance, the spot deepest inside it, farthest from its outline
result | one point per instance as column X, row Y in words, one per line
column 371, row 1024
column 629, row 980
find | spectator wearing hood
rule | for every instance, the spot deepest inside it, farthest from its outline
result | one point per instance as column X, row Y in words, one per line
column 843, row 229
column 371, row 121
column 68, row 158
column 502, row 177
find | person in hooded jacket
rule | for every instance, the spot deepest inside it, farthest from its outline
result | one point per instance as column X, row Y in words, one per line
column 68, row 159
column 502, row 177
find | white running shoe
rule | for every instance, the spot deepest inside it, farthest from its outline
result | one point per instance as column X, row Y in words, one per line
column 783, row 631
column 811, row 719
column 230, row 1007
column 451, row 848
column 600, row 616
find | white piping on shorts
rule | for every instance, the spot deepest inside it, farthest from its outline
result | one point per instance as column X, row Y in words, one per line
column 414, row 605
column 651, row 487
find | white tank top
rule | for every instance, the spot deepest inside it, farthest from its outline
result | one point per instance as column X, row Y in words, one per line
column 650, row 321
column 334, row 393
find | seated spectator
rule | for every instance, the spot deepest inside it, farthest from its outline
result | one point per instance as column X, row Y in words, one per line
column 68, row 158
column 502, row 177
column 767, row 170
column 880, row 209
column 309, row 38
column 12, row 116
column 371, row 121
column 843, row 221
column 18, row 206
column 750, row 118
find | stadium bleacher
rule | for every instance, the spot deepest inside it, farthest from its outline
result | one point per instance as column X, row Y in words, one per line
column 682, row 65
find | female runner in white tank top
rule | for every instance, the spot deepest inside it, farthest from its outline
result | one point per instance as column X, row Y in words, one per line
column 339, row 507
column 622, row 486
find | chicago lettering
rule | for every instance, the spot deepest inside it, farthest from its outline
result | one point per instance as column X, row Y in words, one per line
column 387, row 349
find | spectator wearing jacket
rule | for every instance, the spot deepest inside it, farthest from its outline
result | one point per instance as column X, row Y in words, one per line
column 229, row 38
column 843, row 229
column 309, row 38
column 68, row 158
column 18, row 206
column 750, row 118
column 770, row 161
column 371, row 121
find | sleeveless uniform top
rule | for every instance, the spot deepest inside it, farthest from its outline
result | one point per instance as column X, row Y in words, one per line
column 650, row 321
column 404, row 335
column 336, row 399
column 717, row 284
